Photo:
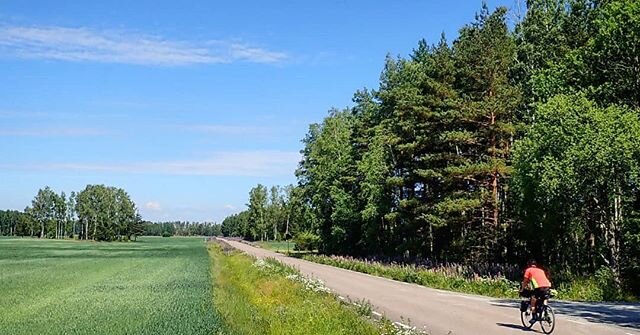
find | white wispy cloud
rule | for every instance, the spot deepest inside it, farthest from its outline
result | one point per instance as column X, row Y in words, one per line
column 248, row 163
column 86, row 45
column 52, row 132
column 229, row 207
column 153, row 205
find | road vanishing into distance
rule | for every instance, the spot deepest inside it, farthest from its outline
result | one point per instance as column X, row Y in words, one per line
column 442, row 312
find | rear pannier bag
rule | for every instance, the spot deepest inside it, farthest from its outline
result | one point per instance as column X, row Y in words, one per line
column 524, row 305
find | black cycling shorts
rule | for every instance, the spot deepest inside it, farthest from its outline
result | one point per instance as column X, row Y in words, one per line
column 542, row 292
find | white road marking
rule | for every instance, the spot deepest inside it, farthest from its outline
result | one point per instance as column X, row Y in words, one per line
column 472, row 298
column 578, row 322
column 402, row 325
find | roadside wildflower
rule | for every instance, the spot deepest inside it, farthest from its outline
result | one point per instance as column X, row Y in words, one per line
column 311, row 284
column 262, row 265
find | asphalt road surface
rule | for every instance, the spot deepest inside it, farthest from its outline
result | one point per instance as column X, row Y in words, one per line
column 441, row 312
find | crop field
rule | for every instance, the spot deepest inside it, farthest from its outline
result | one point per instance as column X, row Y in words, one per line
column 153, row 286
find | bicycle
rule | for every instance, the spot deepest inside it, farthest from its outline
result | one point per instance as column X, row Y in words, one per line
column 544, row 313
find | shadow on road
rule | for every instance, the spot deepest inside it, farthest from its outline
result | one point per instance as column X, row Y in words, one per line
column 626, row 315
column 512, row 326
column 621, row 314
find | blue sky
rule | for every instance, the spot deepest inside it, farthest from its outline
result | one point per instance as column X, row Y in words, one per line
column 187, row 104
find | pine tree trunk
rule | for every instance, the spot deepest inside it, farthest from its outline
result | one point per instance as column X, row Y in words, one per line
column 496, row 210
column 287, row 229
column 430, row 239
column 494, row 182
column 275, row 230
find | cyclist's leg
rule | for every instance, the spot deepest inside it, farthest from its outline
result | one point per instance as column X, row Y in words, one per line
column 546, row 295
column 532, row 303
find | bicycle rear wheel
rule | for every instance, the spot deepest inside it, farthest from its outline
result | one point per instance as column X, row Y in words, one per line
column 548, row 320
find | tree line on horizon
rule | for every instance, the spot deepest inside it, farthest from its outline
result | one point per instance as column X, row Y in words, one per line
column 505, row 144
column 98, row 212
column 181, row 228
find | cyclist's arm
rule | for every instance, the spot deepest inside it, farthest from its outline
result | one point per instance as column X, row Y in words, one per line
column 525, row 280
column 525, row 283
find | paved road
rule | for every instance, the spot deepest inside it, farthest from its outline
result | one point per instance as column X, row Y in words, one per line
column 442, row 312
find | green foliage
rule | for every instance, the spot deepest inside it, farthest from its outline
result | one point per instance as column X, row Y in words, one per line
column 282, row 215
column 16, row 223
column 258, row 212
column 576, row 171
column 601, row 286
column 613, row 51
column 154, row 286
column 306, row 241
column 105, row 213
column 236, row 225
column 47, row 211
column 327, row 176
column 166, row 234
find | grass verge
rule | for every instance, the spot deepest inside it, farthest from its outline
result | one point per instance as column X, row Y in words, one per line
column 266, row 297
column 277, row 246
column 283, row 248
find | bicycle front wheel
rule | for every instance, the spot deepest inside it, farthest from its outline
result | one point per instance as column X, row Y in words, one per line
column 548, row 320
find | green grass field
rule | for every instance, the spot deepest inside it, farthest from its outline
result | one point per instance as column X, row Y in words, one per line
column 153, row 286
column 278, row 246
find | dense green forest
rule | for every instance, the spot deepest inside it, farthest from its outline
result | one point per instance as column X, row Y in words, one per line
column 512, row 141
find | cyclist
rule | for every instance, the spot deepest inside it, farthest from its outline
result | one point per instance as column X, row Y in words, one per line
column 537, row 279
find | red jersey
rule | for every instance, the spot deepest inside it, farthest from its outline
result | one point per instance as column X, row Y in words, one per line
column 537, row 277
